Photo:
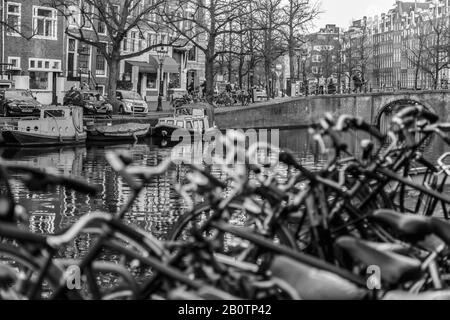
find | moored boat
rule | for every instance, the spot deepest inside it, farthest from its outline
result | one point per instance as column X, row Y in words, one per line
column 192, row 119
column 56, row 125
column 117, row 132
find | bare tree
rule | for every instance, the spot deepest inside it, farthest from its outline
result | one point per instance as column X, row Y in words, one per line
column 94, row 22
column 348, row 61
column 268, row 22
column 435, row 48
column 297, row 16
column 414, row 51
column 209, row 20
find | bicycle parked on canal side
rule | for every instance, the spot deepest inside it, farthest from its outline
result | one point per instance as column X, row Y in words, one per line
column 255, row 235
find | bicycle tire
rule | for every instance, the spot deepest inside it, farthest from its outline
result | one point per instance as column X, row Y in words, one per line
column 281, row 232
column 53, row 275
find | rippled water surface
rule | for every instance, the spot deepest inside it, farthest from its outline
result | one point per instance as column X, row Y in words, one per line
column 158, row 206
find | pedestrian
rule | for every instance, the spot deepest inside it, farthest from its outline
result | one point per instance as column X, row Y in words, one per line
column 191, row 88
column 203, row 87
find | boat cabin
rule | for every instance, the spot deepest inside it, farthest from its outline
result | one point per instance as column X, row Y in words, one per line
column 194, row 118
column 194, row 124
column 59, row 120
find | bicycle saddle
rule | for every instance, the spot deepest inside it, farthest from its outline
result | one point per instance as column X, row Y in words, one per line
column 394, row 268
column 7, row 276
column 402, row 295
column 315, row 284
column 391, row 247
column 441, row 229
column 411, row 226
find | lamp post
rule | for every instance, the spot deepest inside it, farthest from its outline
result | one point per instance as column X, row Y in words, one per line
column 161, row 56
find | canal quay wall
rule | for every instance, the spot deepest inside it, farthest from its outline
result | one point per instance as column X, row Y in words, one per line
column 303, row 111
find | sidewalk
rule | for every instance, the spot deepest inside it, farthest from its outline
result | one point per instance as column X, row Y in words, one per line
column 152, row 105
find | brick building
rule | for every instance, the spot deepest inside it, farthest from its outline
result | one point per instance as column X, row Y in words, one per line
column 51, row 62
column 322, row 49
column 38, row 63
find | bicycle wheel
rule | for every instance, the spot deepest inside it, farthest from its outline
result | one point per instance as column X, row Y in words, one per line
column 181, row 231
column 28, row 268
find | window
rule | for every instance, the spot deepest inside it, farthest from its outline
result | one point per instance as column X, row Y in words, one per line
column 192, row 54
column 38, row 80
column 174, row 81
column 87, row 15
column 74, row 17
column 100, row 64
column 189, row 125
column 316, row 58
column 115, row 11
column 152, row 39
column 15, row 63
column 44, row 22
column 134, row 41
column 84, row 58
column 14, row 11
column 45, row 65
column 151, row 80
column 71, row 58
column 101, row 28
column 125, row 44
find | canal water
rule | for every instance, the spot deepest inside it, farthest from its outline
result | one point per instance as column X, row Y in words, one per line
column 158, row 207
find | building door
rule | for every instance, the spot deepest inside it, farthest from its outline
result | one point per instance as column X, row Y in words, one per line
column 190, row 83
column 54, row 93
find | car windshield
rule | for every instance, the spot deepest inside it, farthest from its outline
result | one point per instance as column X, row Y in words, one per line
column 129, row 95
column 18, row 95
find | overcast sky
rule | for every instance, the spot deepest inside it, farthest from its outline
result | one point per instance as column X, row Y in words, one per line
column 341, row 12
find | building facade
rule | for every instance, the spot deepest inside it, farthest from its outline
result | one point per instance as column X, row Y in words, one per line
column 317, row 65
column 51, row 62
column 399, row 45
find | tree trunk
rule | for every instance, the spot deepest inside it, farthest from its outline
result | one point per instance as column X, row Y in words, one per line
column 209, row 76
column 292, row 63
column 269, row 83
column 416, row 78
column 113, row 66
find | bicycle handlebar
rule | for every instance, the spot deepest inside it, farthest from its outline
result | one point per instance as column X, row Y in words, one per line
column 345, row 121
column 415, row 111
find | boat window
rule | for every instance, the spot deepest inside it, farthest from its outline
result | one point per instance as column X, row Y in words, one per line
column 170, row 122
column 67, row 129
column 196, row 125
column 201, row 124
column 36, row 128
column 54, row 114
column 180, row 124
column 28, row 129
column 189, row 124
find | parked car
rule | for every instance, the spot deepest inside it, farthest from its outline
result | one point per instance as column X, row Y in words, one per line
column 18, row 102
column 129, row 102
column 91, row 101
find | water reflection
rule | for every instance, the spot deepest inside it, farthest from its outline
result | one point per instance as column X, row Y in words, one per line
column 157, row 208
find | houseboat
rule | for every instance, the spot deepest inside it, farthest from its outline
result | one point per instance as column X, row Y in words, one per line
column 56, row 125
column 193, row 119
